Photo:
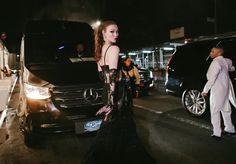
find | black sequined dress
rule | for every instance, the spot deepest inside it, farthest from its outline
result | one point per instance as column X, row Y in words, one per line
column 116, row 141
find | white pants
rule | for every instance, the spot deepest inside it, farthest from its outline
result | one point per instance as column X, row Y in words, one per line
column 216, row 120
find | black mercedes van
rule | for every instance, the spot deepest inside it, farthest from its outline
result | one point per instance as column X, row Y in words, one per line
column 186, row 71
column 60, row 90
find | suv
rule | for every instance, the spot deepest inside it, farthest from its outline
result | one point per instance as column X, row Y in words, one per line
column 60, row 91
column 186, row 71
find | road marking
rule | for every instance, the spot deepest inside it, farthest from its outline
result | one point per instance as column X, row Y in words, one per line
column 183, row 120
column 148, row 109
column 191, row 122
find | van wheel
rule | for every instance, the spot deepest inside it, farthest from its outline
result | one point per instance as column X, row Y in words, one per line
column 30, row 139
column 194, row 102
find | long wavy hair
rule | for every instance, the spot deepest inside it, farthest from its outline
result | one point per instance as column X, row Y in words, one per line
column 99, row 41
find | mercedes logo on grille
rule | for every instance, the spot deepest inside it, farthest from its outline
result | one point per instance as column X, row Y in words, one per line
column 90, row 95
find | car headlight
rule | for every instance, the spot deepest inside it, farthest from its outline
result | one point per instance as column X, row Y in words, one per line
column 35, row 92
column 141, row 76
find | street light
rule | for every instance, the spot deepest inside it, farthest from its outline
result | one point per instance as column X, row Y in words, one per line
column 168, row 48
column 146, row 51
column 96, row 24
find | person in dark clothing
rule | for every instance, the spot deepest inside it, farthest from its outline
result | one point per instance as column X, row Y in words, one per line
column 80, row 50
column 132, row 75
column 116, row 141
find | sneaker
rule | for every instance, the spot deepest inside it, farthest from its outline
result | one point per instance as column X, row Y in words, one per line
column 216, row 137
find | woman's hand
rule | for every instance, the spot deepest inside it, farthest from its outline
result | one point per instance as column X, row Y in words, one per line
column 106, row 110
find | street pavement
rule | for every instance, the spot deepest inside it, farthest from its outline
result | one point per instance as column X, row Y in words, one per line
column 158, row 102
column 174, row 136
column 7, row 86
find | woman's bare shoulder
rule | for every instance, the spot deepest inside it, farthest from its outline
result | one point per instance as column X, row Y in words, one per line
column 115, row 48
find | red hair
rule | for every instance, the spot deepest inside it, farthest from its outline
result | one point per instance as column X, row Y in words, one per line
column 99, row 41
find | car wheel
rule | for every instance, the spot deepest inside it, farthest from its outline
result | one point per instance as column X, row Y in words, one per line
column 194, row 102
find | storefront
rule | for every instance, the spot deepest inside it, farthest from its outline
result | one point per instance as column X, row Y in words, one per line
column 155, row 57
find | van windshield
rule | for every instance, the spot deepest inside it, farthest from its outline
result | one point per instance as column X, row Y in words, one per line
column 63, row 45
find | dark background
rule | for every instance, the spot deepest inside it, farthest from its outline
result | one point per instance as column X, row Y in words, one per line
column 142, row 23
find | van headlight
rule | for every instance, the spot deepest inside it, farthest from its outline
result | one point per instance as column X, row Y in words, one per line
column 35, row 92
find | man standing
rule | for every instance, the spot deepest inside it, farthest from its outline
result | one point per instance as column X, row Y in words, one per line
column 5, row 70
column 222, row 92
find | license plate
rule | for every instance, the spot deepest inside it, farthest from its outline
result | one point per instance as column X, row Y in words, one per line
column 89, row 126
column 92, row 125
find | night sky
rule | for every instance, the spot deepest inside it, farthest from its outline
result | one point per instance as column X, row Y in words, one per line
column 141, row 23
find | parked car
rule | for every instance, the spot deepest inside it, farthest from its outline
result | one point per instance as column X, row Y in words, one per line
column 59, row 91
column 186, row 71
column 146, row 80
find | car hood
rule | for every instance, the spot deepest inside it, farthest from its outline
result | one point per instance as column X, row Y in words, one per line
column 64, row 74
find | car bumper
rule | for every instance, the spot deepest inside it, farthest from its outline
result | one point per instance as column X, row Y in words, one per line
column 146, row 84
column 173, row 86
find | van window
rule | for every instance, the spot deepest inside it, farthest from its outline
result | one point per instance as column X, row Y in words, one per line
column 57, row 43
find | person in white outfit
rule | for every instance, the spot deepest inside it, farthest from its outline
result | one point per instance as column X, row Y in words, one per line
column 222, row 92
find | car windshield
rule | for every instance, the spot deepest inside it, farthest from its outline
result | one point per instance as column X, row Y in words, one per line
column 63, row 45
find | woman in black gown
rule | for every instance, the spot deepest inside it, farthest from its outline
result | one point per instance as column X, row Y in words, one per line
column 117, row 140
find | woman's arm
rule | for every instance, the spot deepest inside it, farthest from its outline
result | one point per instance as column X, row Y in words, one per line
column 101, row 74
column 112, row 61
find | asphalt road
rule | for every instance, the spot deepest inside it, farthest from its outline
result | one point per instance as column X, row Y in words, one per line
column 168, row 133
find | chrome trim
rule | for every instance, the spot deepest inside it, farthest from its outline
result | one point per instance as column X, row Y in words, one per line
column 75, row 96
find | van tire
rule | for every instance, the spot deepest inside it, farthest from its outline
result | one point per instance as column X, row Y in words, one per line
column 30, row 138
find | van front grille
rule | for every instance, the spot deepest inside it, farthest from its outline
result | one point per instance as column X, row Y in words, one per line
column 66, row 97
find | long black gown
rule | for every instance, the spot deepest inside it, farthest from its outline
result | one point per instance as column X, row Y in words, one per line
column 116, row 141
